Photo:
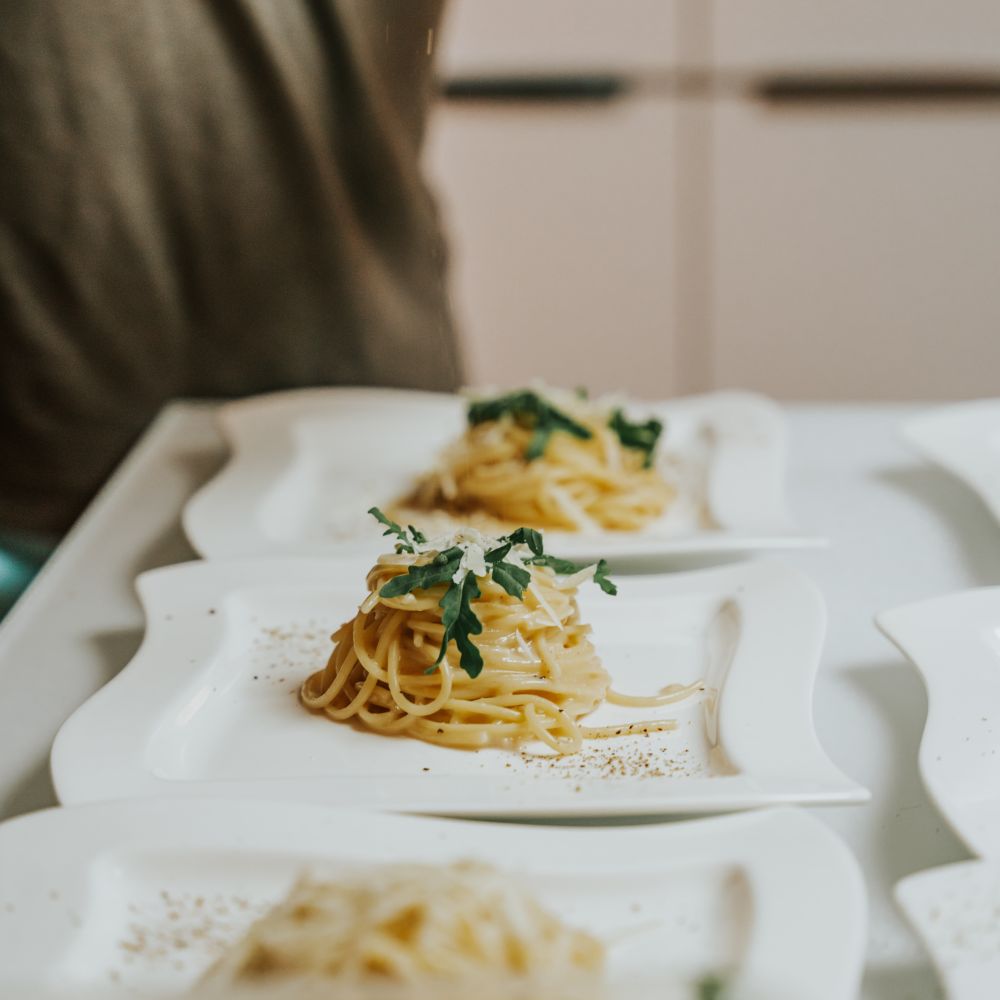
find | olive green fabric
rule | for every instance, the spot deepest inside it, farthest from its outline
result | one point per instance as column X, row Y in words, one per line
column 208, row 198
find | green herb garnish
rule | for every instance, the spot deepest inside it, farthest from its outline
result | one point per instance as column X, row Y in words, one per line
column 460, row 622
column 459, row 619
column 711, row 987
column 565, row 568
column 531, row 410
column 406, row 537
column 642, row 437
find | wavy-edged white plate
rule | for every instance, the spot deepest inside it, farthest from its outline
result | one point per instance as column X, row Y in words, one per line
column 209, row 705
column 955, row 910
column 965, row 440
column 307, row 464
column 142, row 896
column 954, row 641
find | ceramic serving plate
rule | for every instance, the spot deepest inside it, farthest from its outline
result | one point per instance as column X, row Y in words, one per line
column 954, row 642
column 306, row 466
column 209, row 704
column 965, row 440
column 955, row 910
column 141, row 897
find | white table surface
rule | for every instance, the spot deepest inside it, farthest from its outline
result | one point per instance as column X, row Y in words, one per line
column 900, row 529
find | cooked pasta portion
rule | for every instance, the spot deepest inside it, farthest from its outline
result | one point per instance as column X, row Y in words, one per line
column 410, row 924
column 407, row 663
column 522, row 460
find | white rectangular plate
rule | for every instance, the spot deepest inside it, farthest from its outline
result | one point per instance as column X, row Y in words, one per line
column 140, row 898
column 965, row 440
column 955, row 910
column 307, row 465
column 954, row 641
column 209, row 704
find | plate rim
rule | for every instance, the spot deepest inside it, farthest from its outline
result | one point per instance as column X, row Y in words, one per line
column 916, row 629
column 908, row 891
column 946, row 436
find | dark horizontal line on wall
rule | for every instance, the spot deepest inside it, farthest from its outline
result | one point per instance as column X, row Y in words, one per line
column 817, row 89
column 598, row 87
column 784, row 88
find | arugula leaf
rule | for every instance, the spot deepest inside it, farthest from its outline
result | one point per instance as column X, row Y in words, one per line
column 500, row 552
column 530, row 537
column 566, row 568
column 529, row 409
column 512, row 578
column 601, row 578
column 441, row 569
column 460, row 622
column 561, row 566
column 403, row 543
column 641, row 437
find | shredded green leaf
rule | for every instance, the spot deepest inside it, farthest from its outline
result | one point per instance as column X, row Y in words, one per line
column 640, row 436
column 530, row 537
column 440, row 569
column 404, row 541
column 512, row 578
column 458, row 617
column 602, row 579
column 531, row 410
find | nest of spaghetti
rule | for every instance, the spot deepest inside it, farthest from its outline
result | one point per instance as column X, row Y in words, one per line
column 415, row 925
column 548, row 459
column 471, row 641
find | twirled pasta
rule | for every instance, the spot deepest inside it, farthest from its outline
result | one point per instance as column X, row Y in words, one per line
column 547, row 458
column 575, row 485
column 410, row 924
column 541, row 674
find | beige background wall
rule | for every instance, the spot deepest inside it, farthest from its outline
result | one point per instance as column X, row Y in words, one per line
column 708, row 227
